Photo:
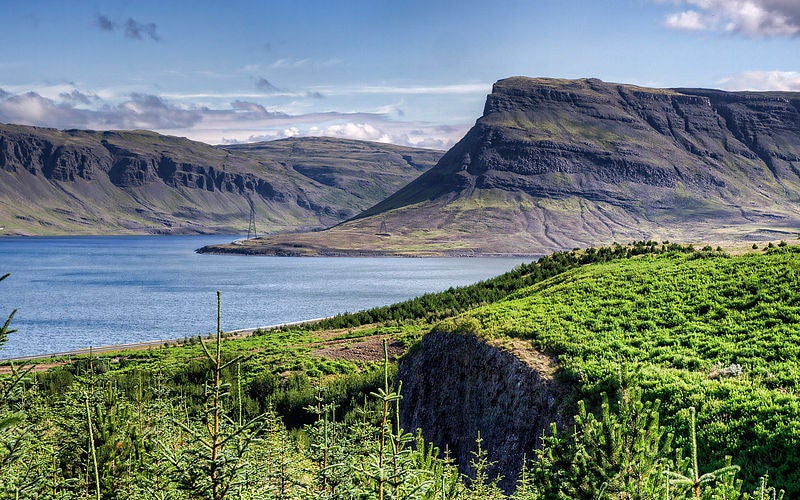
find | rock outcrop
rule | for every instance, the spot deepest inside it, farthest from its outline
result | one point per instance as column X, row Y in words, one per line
column 76, row 181
column 457, row 385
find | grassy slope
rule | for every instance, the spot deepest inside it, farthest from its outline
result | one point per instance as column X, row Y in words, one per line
column 680, row 322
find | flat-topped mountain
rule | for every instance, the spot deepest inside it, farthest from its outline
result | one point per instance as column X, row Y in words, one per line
column 556, row 164
column 86, row 182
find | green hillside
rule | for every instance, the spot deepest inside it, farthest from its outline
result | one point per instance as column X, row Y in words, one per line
column 718, row 333
column 312, row 415
column 64, row 182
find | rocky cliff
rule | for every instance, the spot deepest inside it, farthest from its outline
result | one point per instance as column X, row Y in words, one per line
column 556, row 164
column 457, row 385
column 76, row 181
column 624, row 160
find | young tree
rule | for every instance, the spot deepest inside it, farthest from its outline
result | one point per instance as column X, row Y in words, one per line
column 4, row 331
column 621, row 453
column 694, row 480
column 212, row 463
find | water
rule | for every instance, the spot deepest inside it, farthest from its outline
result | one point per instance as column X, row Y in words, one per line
column 75, row 292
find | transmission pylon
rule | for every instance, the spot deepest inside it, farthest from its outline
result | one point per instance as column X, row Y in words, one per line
column 251, row 228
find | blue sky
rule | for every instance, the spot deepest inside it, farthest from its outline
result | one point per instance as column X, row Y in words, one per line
column 407, row 72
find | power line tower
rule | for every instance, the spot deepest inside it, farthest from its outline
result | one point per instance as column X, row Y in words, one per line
column 251, row 228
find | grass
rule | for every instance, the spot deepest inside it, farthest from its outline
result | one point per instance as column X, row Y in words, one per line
column 719, row 333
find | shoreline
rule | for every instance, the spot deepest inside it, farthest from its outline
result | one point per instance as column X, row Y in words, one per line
column 135, row 346
column 238, row 249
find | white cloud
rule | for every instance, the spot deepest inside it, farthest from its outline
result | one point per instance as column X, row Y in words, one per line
column 239, row 120
column 25, row 107
column 465, row 88
column 690, row 20
column 763, row 80
column 391, row 109
column 267, row 88
column 361, row 131
column 332, row 62
column 289, row 63
column 769, row 18
column 294, row 63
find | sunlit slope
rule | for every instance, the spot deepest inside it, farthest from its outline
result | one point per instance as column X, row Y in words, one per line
column 718, row 333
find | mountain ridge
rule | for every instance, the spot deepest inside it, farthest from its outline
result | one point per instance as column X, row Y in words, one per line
column 133, row 182
column 556, row 164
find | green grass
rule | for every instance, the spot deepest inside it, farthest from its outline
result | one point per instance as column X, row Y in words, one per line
column 680, row 321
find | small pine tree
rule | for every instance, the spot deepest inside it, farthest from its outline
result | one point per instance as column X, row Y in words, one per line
column 622, row 452
column 695, row 481
column 391, row 468
column 482, row 486
column 766, row 492
column 211, row 465
column 5, row 330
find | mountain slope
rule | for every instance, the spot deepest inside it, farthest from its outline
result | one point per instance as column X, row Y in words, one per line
column 698, row 329
column 556, row 164
column 85, row 182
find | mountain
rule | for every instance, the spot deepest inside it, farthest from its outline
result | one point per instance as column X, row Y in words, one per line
column 86, row 182
column 555, row 164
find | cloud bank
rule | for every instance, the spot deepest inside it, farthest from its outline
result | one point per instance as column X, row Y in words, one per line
column 755, row 18
column 239, row 121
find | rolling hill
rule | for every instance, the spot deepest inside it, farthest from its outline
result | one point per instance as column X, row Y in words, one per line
column 698, row 329
column 136, row 182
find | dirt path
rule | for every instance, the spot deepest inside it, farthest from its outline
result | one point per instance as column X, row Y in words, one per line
column 368, row 348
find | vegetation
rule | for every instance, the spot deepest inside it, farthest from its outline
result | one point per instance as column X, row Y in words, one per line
column 437, row 306
column 685, row 365
column 702, row 330
column 5, row 329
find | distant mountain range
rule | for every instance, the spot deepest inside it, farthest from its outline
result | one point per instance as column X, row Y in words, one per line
column 137, row 182
column 555, row 164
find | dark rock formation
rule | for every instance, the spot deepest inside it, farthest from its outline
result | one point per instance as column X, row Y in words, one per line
column 456, row 386
column 627, row 146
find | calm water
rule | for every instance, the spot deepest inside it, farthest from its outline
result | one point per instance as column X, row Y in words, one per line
column 75, row 292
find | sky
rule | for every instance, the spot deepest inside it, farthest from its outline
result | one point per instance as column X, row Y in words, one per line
column 407, row 72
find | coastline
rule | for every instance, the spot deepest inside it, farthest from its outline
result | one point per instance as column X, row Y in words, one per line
column 147, row 344
column 257, row 247
column 280, row 252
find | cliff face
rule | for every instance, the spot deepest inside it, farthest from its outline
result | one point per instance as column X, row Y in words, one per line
column 561, row 163
column 104, row 182
column 456, row 386
column 124, row 168
column 627, row 145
